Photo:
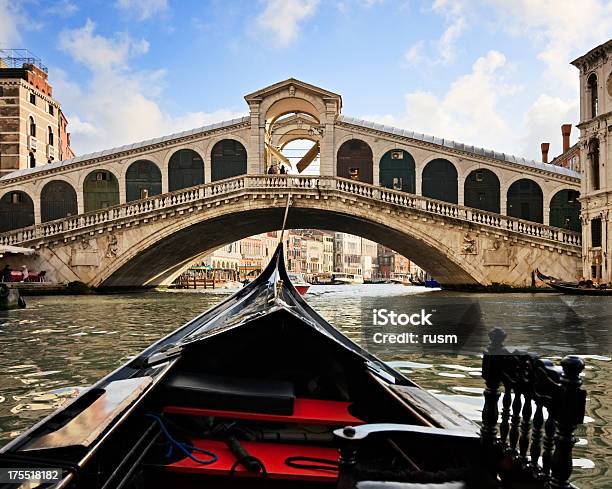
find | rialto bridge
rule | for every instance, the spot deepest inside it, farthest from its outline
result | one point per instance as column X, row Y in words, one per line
column 138, row 214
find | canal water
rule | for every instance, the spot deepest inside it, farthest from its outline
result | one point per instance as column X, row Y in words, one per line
column 59, row 345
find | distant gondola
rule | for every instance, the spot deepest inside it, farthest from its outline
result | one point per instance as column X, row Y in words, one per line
column 583, row 288
column 259, row 391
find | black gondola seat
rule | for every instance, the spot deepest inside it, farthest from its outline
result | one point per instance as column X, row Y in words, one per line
column 190, row 389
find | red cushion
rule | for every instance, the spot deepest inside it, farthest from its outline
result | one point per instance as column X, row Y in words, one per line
column 306, row 411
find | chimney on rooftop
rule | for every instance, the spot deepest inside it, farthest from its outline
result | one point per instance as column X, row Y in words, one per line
column 566, row 130
column 544, row 147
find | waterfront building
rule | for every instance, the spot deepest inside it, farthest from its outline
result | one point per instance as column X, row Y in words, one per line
column 369, row 258
column 347, row 251
column 314, row 256
column 595, row 146
column 251, row 256
column 296, row 252
column 32, row 124
column 225, row 258
column 328, row 251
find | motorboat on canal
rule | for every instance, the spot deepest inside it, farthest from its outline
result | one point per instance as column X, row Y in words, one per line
column 587, row 287
column 261, row 391
column 299, row 282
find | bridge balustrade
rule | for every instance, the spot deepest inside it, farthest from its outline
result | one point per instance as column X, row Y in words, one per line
column 295, row 184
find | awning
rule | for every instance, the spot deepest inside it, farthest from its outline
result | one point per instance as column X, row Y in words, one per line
column 308, row 158
column 280, row 156
column 15, row 250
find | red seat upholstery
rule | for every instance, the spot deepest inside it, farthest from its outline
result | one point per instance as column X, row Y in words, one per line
column 306, row 411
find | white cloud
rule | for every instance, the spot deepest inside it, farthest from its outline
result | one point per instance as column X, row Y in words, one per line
column 62, row 8
column 414, row 54
column 454, row 13
column 564, row 29
column 117, row 105
column 282, row 18
column 542, row 124
column 98, row 52
column 443, row 49
column 10, row 18
column 142, row 9
column 469, row 111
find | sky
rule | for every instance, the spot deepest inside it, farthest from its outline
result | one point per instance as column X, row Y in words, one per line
column 493, row 73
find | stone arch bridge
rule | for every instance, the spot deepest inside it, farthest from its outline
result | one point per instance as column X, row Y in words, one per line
column 466, row 214
column 149, row 242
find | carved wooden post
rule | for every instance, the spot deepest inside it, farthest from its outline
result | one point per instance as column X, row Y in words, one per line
column 536, row 436
column 491, row 373
column 572, row 400
column 504, row 425
column 525, row 428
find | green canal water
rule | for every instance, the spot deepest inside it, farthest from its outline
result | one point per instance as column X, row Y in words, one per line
column 61, row 344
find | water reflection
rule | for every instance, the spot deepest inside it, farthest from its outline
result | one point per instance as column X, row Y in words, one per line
column 61, row 344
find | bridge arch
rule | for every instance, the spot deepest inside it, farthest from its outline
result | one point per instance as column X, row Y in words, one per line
column 228, row 158
column 208, row 231
column 185, row 168
column 100, row 190
column 482, row 190
column 355, row 160
column 564, row 208
column 440, row 180
column 16, row 210
column 525, row 200
column 58, row 199
column 143, row 179
column 397, row 170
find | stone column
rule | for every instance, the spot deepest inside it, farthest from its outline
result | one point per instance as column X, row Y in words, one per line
column 36, row 200
column 256, row 144
column 503, row 200
column 327, row 154
column 164, row 174
column 461, row 189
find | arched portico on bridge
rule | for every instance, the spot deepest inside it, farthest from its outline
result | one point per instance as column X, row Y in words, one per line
column 440, row 181
column 482, row 190
column 397, row 170
column 228, row 158
column 525, row 200
column 143, row 179
column 16, row 210
column 185, row 169
column 100, row 190
column 58, row 199
column 355, row 161
column 564, row 208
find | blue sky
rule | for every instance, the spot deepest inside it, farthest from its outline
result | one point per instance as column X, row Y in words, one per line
column 494, row 73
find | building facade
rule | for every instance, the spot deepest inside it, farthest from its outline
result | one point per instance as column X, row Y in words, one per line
column 369, row 258
column 596, row 156
column 347, row 250
column 33, row 129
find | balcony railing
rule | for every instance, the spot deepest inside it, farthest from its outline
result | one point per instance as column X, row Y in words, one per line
column 295, row 185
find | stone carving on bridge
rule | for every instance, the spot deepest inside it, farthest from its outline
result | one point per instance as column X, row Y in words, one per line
column 469, row 246
column 85, row 244
column 112, row 249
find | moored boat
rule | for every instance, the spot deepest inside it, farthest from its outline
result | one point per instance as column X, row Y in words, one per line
column 261, row 391
column 347, row 279
column 10, row 298
column 586, row 287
